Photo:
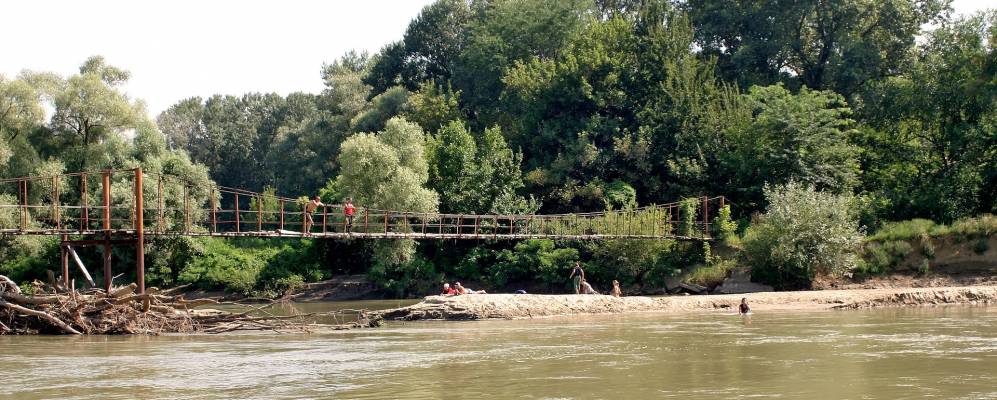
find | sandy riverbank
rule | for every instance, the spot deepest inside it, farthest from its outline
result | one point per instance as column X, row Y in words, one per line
column 509, row 306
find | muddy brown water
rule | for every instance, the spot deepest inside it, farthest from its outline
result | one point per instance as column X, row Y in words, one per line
column 938, row 352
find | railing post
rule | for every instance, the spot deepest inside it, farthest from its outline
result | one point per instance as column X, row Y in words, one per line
column 186, row 210
column 214, row 212
column 55, row 203
column 282, row 214
column 385, row 223
column 139, row 232
column 706, row 217
column 65, row 264
column 325, row 220
column 22, row 191
column 85, row 204
column 366, row 227
column 238, row 226
column 160, row 217
column 107, row 200
column 259, row 213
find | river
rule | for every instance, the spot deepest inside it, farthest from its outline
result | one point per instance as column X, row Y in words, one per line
column 943, row 352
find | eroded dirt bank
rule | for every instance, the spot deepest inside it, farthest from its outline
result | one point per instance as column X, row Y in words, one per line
column 506, row 306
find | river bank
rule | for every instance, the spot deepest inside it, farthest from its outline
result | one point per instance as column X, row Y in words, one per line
column 511, row 306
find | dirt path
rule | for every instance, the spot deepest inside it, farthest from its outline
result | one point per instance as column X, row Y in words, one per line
column 507, row 306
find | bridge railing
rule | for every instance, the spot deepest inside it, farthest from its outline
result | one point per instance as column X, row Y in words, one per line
column 105, row 201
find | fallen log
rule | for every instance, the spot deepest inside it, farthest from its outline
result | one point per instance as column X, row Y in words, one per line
column 122, row 311
column 40, row 314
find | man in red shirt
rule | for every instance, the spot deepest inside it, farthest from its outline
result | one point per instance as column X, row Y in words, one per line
column 349, row 210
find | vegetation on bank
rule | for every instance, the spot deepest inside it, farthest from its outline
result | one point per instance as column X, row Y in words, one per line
column 520, row 106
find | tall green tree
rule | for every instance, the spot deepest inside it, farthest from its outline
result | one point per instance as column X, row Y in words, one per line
column 930, row 144
column 825, row 45
column 803, row 138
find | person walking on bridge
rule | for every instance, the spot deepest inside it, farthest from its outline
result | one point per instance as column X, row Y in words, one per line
column 310, row 207
column 577, row 276
column 349, row 210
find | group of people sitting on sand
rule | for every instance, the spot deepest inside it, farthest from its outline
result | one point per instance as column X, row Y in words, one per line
column 458, row 289
column 577, row 277
column 582, row 286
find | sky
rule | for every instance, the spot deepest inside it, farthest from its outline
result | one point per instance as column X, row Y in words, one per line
column 184, row 48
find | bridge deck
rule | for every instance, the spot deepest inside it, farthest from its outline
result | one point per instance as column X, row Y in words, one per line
column 343, row 235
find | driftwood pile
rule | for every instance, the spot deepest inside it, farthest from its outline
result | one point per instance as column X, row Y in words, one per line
column 50, row 310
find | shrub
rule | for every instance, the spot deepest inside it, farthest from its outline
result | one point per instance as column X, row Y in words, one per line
column 982, row 226
column 908, row 230
column 712, row 275
column 223, row 266
column 802, row 233
column 417, row 276
column 687, row 216
column 724, row 228
column 981, row 246
column 927, row 247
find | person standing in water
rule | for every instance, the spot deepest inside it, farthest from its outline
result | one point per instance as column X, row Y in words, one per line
column 577, row 276
column 310, row 207
column 349, row 210
column 743, row 309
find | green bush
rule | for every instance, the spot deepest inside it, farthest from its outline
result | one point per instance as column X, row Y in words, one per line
column 416, row 277
column 898, row 250
column 908, row 230
column 982, row 226
column 927, row 246
column 724, row 228
column 226, row 267
column 712, row 275
column 802, row 233
column 981, row 246
column 687, row 216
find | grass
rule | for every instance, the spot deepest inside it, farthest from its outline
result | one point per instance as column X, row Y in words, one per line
column 982, row 226
column 713, row 275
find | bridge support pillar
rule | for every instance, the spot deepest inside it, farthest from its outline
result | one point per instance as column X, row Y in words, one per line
column 139, row 234
column 65, row 264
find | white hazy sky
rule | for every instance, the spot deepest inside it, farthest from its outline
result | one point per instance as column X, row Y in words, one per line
column 182, row 48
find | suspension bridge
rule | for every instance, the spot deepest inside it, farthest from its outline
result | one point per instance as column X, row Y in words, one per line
column 122, row 207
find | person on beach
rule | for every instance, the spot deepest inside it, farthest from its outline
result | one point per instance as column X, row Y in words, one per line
column 577, row 276
column 349, row 210
column 310, row 208
column 447, row 290
column 463, row 290
column 616, row 292
column 587, row 289
column 743, row 309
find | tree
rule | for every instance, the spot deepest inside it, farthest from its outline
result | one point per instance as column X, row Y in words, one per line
column 475, row 175
column 930, row 144
column 802, row 138
column 503, row 32
column 824, row 45
column 387, row 171
column 381, row 108
column 20, row 108
column 432, row 107
column 345, row 92
column 453, row 169
column 803, row 233
column 90, row 109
